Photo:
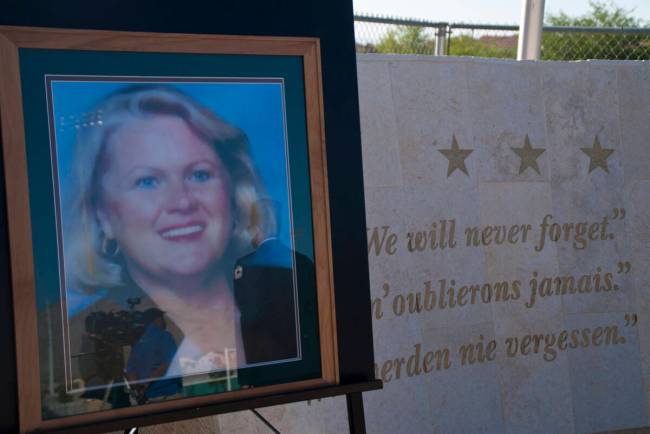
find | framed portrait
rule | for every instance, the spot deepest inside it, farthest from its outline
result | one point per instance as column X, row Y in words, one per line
column 168, row 221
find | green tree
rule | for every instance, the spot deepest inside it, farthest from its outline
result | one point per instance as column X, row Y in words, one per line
column 406, row 40
column 600, row 15
column 466, row 45
column 414, row 40
column 577, row 46
column 555, row 45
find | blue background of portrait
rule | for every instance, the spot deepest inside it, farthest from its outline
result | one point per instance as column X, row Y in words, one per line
column 256, row 108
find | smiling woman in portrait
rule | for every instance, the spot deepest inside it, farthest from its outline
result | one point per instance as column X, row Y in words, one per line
column 165, row 199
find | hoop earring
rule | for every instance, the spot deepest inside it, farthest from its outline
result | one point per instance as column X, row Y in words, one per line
column 110, row 247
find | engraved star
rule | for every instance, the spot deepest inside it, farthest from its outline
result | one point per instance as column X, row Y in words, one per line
column 456, row 157
column 597, row 156
column 528, row 156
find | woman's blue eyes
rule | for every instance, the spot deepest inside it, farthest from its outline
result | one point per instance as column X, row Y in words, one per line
column 200, row 176
column 148, row 182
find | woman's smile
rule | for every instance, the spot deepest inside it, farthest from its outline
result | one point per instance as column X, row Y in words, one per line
column 183, row 232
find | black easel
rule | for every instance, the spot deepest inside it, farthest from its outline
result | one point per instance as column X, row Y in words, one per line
column 352, row 392
column 356, row 417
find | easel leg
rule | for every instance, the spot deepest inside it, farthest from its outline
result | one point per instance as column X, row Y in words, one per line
column 356, row 418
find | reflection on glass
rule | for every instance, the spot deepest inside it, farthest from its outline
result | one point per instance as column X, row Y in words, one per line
column 174, row 276
column 264, row 292
column 150, row 359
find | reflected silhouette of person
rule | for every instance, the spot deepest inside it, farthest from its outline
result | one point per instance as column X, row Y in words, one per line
column 264, row 283
column 150, row 359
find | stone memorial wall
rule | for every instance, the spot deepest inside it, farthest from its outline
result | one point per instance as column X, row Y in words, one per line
column 508, row 214
column 508, row 217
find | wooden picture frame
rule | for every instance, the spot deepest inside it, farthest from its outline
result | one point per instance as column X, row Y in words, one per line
column 29, row 56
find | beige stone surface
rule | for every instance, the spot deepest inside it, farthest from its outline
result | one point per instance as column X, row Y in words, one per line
column 323, row 416
column 204, row 425
column 423, row 207
column 409, row 409
column 536, row 394
column 428, row 116
column 581, row 100
column 607, row 393
column 634, row 94
column 513, row 204
column 490, row 107
column 384, row 219
column 378, row 126
column 638, row 230
column 449, row 389
column 506, row 104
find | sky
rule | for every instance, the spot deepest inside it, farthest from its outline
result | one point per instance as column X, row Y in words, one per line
column 482, row 11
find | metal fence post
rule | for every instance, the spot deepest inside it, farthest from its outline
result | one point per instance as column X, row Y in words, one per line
column 530, row 30
column 441, row 34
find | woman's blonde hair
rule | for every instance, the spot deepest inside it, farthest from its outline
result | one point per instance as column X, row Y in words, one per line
column 87, row 263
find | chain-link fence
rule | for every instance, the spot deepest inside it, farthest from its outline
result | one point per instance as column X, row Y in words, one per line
column 386, row 35
column 575, row 43
column 401, row 36
column 482, row 40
